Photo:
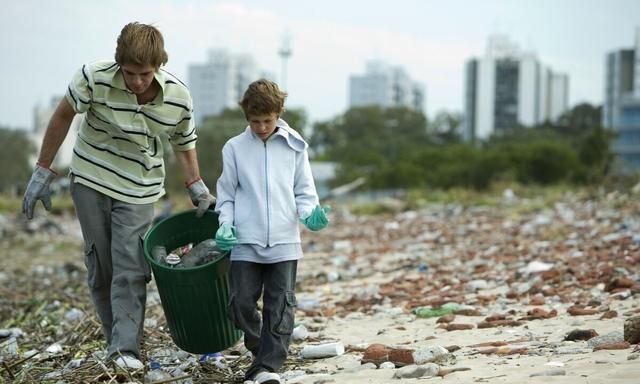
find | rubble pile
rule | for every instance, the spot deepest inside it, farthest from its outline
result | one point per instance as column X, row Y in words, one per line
column 517, row 289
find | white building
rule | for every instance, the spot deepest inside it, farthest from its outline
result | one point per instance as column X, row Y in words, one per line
column 621, row 110
column 508, row 88
column 41, row 116
column 220, row 82
column 385, row 86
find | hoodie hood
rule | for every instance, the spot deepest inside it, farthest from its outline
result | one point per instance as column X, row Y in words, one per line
column 293, row 138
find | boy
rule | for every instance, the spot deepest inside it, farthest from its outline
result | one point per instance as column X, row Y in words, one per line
column 117, row 173
column 265, row 187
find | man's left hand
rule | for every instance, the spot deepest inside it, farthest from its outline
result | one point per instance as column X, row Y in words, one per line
column 200, row 197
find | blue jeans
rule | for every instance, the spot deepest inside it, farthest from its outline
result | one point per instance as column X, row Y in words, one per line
column 266, row 336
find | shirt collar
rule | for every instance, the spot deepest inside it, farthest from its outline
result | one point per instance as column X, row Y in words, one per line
column 118, row 82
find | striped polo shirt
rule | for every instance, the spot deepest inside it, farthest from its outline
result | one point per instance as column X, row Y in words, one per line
column 118, row 150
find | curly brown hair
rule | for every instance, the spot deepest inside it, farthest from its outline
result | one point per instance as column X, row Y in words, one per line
column 141, row 44
column 262, row 97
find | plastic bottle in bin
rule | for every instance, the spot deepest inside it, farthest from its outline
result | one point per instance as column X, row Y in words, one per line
column 159, row 254
column 205, row 252
column 187, row 256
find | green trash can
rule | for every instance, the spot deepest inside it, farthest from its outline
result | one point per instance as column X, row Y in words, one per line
column 195, row 299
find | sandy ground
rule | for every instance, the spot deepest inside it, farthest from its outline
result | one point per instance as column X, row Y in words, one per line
column 360, row 281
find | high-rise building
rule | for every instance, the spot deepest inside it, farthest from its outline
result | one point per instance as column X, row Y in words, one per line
column 385, row 86
column 220, row 82
column 621, row 109
column 508, row 88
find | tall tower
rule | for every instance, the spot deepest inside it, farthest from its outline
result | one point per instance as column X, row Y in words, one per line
column 285, row 52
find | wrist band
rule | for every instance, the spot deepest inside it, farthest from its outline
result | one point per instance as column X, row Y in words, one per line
column 42, row 165
column 189, row 183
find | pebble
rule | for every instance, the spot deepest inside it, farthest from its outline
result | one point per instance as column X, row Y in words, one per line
column 416, row 371
column 387, row 365
column 609, row 338
column 554, row 372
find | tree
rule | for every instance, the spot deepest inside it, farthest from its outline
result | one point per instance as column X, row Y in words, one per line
column 446, row 127
column 371, row 142
column 15, row 158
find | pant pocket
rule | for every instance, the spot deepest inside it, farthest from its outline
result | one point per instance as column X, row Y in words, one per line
column 287, row 315
column 91, row 262
column 145, row 264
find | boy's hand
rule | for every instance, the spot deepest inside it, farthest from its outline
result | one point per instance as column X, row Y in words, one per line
column 317, row 219
column 226, row 237
column 200, row 197
column 38, row 189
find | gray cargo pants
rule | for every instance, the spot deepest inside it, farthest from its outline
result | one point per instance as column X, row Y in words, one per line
column 266, row 336
column 117, row 271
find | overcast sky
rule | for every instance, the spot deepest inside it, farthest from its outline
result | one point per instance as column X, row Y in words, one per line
column 44, row 42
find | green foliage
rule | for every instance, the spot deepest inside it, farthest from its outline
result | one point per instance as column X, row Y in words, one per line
column 15, row 159
column 546, row 162
column 446, row 127
column 398, row 148
column 372, row 142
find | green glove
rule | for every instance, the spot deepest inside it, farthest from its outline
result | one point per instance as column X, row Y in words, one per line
column 317, row 219
column 226, row 237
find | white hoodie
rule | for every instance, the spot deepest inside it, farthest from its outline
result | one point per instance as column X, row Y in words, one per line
column 265, row 187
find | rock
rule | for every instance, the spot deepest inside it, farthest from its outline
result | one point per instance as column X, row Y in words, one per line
column 476, row 285
column 609, row 315
column 553, row 372
column 428, row 354
column 415, row 371
column 571, row 350
column 446, row 318
column 289, row 375
column 499, row 323
column 609, row 338
column 537, row 300
column 619, row 282
column 632, row 330
column 579, row 310
column 376, row 353
column 581, row 334
column 445, row 371
column 611, row 346
column 387, row 365
column 458, row 327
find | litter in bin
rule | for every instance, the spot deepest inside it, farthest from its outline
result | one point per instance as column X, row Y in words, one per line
column 188, row 256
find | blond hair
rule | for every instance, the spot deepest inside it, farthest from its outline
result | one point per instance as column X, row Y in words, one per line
column 141, row 44
column 262, row 97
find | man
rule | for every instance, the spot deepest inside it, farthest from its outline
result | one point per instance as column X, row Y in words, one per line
column 117, row 173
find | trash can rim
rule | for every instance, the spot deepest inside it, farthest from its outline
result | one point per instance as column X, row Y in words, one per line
column 149, row 256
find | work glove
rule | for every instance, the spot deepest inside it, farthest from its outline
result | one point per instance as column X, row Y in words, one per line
column 200, row 197
column 317, row 219
column 38, row 189
column 226, row 237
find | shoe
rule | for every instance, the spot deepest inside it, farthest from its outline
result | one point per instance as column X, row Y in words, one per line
column 128, row 362
column 265, row 377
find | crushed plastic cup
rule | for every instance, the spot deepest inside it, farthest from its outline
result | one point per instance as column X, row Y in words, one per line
column 172, row 259
column 322, row 350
